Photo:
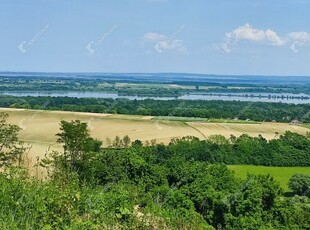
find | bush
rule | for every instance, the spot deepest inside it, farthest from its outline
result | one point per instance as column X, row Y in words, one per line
column 300, row 184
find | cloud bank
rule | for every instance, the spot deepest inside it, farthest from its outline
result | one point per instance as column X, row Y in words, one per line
column 248, row 33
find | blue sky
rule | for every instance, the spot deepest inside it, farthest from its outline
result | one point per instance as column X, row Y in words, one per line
column 260, row 37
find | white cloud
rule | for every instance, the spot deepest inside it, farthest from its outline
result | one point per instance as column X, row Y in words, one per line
column 153, row 37
column 296, row 41
column 299, row 40
column 300, row 36
column 163, row 42
column 172, row 44
column 247, row 32
column 274, row 38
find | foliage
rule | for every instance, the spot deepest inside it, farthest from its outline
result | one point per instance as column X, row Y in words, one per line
column 11, row 149
column 151, row 187
column 300, row 184
column 77, row 141
column 290, row 149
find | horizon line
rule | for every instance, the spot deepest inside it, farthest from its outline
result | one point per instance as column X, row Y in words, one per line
column 205, row 74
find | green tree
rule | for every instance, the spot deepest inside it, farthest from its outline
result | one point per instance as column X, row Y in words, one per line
column 137, row 143
column 117, row 142
column 245, row 206
column 126, row 141
column 218, row 139
column 11, row 149
column 270, row 190
column 77, row 141
column 300, row 184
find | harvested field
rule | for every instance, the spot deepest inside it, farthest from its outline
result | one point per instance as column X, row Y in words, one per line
column 39, row 128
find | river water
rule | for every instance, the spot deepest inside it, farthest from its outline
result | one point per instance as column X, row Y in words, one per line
column 252, row 97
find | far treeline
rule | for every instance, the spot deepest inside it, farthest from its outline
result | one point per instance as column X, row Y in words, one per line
column 255, row 111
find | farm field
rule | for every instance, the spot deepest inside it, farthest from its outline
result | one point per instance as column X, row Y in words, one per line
column 39, row 127
column 280, row 174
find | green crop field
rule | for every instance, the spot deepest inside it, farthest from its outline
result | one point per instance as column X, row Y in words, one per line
column 280, row 174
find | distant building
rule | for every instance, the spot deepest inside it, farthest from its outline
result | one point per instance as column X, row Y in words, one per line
column 295, row 122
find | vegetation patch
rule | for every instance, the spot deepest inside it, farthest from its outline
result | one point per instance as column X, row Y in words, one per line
column 131, row 185
column 280, row 174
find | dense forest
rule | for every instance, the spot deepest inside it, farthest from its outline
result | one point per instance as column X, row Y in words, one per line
column 131, row 186
column 255, row 111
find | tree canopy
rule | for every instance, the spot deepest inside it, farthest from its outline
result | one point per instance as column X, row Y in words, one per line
column 11, row 149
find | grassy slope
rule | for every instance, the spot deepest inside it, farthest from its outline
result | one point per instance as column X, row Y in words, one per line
column 280, row 174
